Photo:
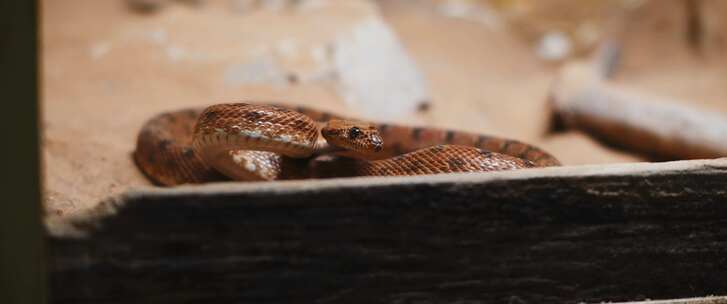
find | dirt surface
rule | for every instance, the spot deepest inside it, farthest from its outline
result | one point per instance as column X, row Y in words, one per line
column 107, row 69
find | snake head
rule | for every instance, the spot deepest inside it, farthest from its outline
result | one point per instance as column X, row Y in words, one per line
column 355, row 136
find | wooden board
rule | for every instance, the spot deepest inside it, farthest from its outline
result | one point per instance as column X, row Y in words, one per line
column 585, row 233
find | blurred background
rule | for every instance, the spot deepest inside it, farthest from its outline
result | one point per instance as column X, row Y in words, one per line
column 480, row 66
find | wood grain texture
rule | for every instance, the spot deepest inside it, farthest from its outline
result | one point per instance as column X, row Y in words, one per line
column 569, row 234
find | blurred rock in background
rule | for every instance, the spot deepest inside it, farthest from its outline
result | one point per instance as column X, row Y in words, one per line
column 361, row 58
column 557, row 29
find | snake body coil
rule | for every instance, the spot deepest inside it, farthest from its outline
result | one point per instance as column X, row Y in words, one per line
column 267, row 142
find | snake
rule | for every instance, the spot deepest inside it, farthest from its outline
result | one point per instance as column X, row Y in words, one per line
column 267, row 141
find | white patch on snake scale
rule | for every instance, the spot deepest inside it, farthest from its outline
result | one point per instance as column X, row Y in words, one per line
column 285, row 138
column 250, row 166
column 240, row 159
column 252, row 134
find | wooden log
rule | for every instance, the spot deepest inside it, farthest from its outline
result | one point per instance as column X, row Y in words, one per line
column 655, row 126
column 568, row 234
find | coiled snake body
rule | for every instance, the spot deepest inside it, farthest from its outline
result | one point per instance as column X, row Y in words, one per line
column 268, row 142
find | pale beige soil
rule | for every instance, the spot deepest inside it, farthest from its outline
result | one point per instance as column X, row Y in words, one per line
column 106, row 70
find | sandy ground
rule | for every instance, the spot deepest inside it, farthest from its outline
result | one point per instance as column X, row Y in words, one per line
column 106, row 70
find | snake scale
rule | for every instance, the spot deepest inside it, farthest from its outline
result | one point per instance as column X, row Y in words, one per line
column 268, row 142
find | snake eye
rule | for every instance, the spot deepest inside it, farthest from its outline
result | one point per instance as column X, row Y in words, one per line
column 354, row 133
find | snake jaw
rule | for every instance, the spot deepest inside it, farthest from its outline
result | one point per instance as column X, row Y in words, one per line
column 377, row 142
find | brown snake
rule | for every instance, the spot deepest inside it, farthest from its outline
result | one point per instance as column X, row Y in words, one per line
column 248, row 141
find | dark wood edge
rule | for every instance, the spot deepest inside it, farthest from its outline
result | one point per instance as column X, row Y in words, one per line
column 716, row 168
column 22, row 255
column 583, row 233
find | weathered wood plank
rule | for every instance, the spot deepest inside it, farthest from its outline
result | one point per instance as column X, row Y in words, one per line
column 22, row 251
column 591, row 233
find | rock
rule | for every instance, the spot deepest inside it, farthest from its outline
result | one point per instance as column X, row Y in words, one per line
column 554, row 46
column 375, row 74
